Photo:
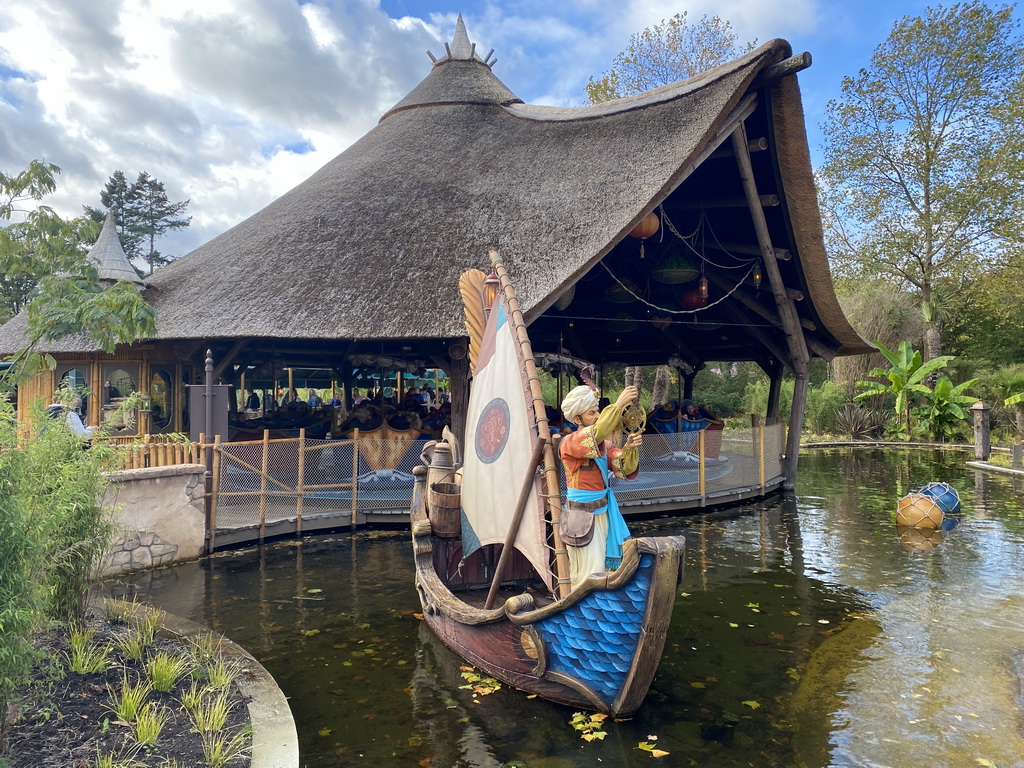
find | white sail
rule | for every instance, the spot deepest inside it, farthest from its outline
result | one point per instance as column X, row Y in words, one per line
column 500, row 435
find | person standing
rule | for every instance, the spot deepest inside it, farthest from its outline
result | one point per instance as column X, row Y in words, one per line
column 591, row 524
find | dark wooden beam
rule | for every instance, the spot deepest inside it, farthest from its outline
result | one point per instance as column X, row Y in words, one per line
column 782, row 254
column 754, row 145
column 765, row 201
column 784, row 68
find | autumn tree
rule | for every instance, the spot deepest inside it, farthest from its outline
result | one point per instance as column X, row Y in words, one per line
column 670, row 50
column 923, row 152
column 143, row 212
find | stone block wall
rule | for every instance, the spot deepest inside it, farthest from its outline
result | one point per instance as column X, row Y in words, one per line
column 161, row 516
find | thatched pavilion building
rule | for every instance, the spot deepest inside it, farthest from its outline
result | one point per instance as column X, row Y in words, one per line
column 736, row 270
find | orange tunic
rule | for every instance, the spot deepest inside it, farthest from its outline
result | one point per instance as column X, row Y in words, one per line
column 578, row 448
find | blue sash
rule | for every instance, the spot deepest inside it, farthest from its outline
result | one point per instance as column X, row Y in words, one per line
column 617, row 530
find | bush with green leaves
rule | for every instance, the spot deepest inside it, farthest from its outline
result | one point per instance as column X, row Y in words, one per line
column 54, row 531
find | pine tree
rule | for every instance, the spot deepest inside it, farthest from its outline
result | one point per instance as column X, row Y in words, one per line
column 143, row 212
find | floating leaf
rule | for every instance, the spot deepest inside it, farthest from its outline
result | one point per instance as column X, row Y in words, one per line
column 731, row 624
column 311, row 632
column 314, row 591
column 697, row 685
column 752, row 704
column 985, row 762
column 324, row 732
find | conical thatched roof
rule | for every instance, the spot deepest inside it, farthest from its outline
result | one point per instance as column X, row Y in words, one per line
column 371, row 246
column 107, row 253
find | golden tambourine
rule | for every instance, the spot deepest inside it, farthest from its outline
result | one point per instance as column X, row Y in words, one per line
column 634, row 418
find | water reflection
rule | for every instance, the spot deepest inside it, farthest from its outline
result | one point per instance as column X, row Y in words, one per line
column 805, row 633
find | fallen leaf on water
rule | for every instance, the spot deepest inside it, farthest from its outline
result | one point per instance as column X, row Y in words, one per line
column 752, row 704
column 324, row 732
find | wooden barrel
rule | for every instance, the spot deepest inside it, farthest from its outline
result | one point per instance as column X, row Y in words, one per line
column 445, row 509
column 918, row 511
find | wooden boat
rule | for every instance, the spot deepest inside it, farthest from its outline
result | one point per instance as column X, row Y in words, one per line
column 596, row 646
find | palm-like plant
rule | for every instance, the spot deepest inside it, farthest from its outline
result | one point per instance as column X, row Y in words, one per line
column 943, row 409
column 1008, row 384
column 904, row 380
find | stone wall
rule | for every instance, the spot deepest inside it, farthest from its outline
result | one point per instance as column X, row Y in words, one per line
column 161, row 516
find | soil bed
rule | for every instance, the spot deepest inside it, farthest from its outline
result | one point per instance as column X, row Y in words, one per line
column 64, row 720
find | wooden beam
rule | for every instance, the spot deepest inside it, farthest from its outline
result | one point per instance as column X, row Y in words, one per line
column 782, row 254
column 754, row 145
column 229, row 358
column 784, row 304
column 774, row 349
column 794, row 294
column 784, row 68
column 765, row 201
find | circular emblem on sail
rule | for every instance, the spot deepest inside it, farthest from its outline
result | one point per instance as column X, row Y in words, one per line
column 492, row 430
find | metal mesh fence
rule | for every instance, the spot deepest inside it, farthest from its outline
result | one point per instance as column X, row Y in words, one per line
column 298, row 479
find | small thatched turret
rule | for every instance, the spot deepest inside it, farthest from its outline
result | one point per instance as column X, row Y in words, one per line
column 108, row 254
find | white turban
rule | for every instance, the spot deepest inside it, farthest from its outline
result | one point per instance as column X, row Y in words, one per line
column 579, row 400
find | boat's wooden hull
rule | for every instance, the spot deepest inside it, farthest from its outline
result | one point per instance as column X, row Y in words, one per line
column 597, row 649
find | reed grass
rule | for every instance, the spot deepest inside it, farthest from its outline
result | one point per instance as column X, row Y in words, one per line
column 85, row 656
column 126, row 702
column 211, row 714
column 220, row 748
column 164, row 669
column 149, row 722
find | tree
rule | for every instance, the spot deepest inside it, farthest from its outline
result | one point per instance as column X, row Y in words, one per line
column 143, row 212
column 68, row 298
column 923, row 152
column 665, row 52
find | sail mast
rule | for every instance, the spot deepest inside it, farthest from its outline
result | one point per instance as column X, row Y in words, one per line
column 554, row 493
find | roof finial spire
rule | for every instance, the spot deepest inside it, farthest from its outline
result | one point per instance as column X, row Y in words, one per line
column 460, row 49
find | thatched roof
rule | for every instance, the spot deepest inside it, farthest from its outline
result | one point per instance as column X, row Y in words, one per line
column 111, row 261
column 371, row 246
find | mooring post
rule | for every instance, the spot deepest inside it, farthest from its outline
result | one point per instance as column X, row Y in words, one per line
column 982, row 432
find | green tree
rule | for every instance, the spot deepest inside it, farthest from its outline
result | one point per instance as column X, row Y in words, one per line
column 143, row 212
column 665, row 52
column 68, row 298
column 922, row 153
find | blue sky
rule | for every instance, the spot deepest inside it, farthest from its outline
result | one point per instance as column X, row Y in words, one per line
column 232, row 103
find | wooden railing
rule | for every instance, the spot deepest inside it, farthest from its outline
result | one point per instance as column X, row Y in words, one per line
column 155, row 451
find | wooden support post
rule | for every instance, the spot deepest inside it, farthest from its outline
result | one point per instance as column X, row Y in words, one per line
column 355, row 476
column 299, row 480
column 216, row 492
column 784, row 304
column 774, row 393
column 264, row 469
column 702, row 478
column 982, row 432
column 760, row 456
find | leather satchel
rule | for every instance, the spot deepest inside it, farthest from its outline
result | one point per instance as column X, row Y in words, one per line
column 576, row 524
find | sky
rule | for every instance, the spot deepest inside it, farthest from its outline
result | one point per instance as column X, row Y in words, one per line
column 231, row 103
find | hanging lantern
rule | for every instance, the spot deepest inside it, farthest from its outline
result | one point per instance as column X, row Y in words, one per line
column 563, row 301
column 648, row 225
column 490, row 289
column 623, row 322
column 623, row 293
column 702, row 286
column 661, row 322
column 674, row 270
column 757, row 274
column 692, row 299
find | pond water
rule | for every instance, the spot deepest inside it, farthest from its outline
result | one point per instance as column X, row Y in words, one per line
column 806, row 633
